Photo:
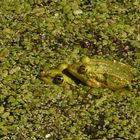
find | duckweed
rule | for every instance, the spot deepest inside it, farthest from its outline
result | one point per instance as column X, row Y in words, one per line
column 40, row 34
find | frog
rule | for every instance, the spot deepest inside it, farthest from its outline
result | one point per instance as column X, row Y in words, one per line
column 98, row 73
column 56, row 76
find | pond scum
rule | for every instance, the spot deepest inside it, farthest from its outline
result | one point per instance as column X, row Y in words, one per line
column 41, row 34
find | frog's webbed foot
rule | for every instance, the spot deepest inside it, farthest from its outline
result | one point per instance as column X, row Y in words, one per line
column 94, row 83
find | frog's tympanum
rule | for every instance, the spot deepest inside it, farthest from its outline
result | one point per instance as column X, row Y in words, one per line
column 56, row 76
column 102, row 73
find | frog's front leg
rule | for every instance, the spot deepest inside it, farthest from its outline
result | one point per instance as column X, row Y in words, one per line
column 95, row 80
column 94, row 83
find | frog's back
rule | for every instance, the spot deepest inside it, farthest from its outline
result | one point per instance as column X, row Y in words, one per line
column 117, row 69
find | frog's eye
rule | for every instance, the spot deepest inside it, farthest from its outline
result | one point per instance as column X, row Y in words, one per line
column 82, row 69
column 58, row 79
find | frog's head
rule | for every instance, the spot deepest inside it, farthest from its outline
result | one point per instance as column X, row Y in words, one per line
column 80, row 71
column 55, row 76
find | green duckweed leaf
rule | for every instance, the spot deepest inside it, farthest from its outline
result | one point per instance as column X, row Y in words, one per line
column 1, row 109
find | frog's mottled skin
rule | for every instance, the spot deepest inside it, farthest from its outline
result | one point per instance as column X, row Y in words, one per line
column 102, row 73
column 49, row 76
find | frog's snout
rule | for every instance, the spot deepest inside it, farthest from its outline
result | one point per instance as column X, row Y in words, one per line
column 73, row 70
column 70, row 68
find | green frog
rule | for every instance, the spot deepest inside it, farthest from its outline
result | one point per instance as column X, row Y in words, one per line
column 102, row 73
column 56, row 76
